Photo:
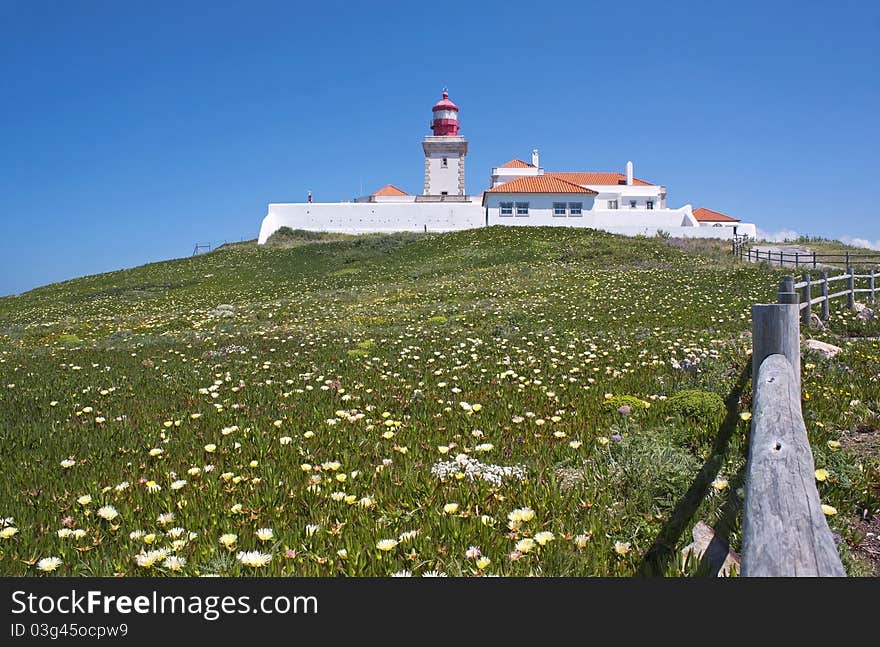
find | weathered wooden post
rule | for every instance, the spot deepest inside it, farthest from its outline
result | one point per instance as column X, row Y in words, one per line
column 814, row 260
column 826, row 308
column 871, row 284
column 797, row 259
column 851, row 286
column 785, row 533
column 806, row 294
column 775, row 330
column 781, row 259
column 847, row 259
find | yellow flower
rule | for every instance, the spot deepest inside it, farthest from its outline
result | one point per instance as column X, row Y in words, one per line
column 745, row 415
column 450, row 508
column 544, row 537
column 210, row 448
column 228, row 539
column 720, row 484
column 525, row 545
column 829, row 510
column 621, row 547
column 85, row 499
column 821, row 474
column 8, row 532
column 483, row 562
column 833, row 445
column 602, row 440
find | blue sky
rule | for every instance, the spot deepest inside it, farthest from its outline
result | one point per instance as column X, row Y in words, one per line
column 130, row 131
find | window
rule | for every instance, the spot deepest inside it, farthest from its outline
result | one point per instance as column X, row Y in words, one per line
column 558, row 208
column 612, row 204
column 650, row 204
column 575, row 208
column 444, row 163
column 522, row 208
column 506, row 208
column 632, row 204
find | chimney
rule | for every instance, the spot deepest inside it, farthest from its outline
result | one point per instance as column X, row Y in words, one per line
column 629, row 173
column 535, row 158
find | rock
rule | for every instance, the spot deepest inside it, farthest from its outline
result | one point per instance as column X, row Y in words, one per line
column 223, row 310
column 709, row 546
column 816, row 322
column 828, row 351
column 865, row 313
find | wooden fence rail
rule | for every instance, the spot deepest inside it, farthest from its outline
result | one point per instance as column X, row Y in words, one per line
column 807, row 300
column 798, row 259
column 785, row 532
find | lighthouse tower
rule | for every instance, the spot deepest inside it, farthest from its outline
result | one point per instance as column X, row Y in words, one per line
column 444, row 152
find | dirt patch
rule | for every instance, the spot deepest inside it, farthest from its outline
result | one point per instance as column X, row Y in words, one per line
column 864, row 441
column 868, row 547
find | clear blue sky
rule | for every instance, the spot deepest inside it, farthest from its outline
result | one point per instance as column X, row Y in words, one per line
column 130, row 130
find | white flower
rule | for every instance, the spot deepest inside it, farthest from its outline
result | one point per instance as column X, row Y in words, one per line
column 265, row 534
column 66, row 463
column 254, row 558
column 49, row 564
column 176, row 485
column 174, row 563
column 433, row 574
column 107, row 512
column 149, row 558
column 85, row 499
column 386, row 544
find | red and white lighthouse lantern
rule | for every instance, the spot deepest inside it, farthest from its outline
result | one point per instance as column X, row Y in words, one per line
column 445, row 122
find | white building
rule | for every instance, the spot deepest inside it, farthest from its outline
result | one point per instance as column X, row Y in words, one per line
column 519, row 193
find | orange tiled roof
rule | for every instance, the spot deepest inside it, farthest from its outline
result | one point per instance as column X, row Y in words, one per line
column 516, row 163
column 539, row 184
column 390, row 189
column 598, row 178
column 707, row 215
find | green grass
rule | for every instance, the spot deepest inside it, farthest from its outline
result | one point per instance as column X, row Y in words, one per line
column 352, row 369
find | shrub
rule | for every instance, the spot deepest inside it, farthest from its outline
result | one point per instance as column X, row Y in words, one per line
column 612, row 404
column 651, row 468
column 704, row 406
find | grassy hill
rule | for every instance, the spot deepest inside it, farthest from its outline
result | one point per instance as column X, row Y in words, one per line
column 392, row 403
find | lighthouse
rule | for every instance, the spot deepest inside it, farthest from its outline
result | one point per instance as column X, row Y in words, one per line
column 444, row 151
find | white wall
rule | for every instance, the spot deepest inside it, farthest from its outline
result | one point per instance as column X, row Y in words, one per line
column 594, row 215
column 444, row 179
column 360, row 217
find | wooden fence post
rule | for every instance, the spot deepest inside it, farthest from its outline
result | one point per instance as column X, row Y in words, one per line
column 785, row 532
column 781, row 260
column 806, row 294
column 826, row 308
column 851, row 286
column 847, row 259
column 814, row 260
column 776, row 330
column 871, row 284
column 797, row 259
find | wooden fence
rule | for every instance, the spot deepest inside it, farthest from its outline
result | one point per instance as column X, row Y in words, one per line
column 800, row 259
column 808, row 299
column 785, row 533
